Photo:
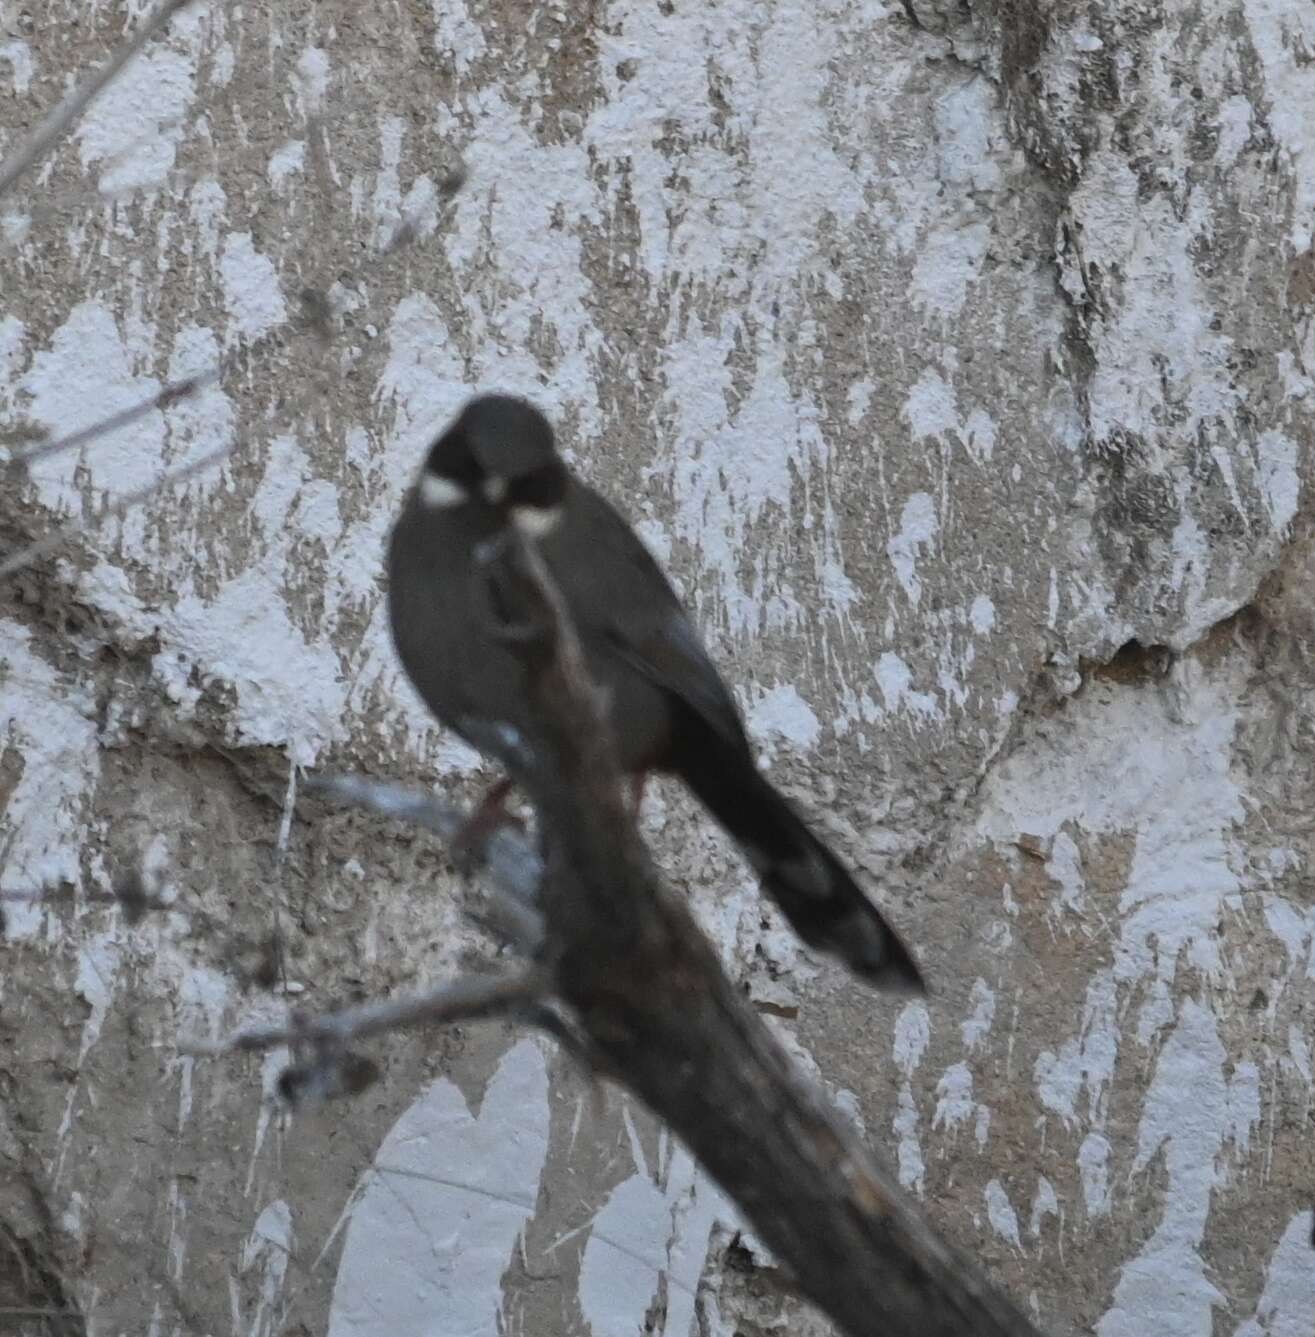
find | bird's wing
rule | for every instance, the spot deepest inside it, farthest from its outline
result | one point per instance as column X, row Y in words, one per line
column 623, row 598
column 671, row 655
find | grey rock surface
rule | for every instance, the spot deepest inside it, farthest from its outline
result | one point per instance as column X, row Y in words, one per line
column 955, row 361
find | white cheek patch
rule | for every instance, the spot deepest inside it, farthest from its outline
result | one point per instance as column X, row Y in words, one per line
column 535, row 522
column 494, row 489
column 442, row 493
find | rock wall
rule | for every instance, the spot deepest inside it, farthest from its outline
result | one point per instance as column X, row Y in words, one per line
column 954, row 359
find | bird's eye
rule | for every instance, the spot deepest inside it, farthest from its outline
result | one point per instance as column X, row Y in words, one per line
column 541, row 488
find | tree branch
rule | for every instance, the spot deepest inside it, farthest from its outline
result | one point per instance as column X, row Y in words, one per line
column 652, row 1001
column 623, row 976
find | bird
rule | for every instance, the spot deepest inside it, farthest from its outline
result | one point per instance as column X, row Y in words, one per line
column 496, row 465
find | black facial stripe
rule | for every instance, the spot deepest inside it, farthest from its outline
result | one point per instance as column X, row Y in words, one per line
column 452, row 458
column 541, row 488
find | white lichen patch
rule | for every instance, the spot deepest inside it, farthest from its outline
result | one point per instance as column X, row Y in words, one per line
column 49, row 736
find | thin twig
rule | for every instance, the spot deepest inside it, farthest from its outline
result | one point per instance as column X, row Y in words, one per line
column 279, row 880
column 57, row 124
column 313, row 319
column 463, row 1000
column 175, row 392
column 163, row 398
column 34, row 552
column 22, row 220
column 23, row 217
column 513, row 861
column 130, row 893
column 404, row 803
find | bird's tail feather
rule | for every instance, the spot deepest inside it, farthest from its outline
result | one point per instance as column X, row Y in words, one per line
column 812, row 888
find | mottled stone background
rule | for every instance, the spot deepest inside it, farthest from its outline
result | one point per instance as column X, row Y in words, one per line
column 955, row 359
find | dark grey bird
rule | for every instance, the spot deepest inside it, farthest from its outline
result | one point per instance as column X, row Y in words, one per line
column 497, row 464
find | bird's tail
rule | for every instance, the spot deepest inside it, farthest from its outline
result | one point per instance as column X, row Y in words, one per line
column 812, row 888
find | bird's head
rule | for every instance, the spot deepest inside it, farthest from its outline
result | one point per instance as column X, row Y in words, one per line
column 498, row 453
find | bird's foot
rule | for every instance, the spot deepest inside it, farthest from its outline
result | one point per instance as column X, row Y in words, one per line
column 470, row 843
